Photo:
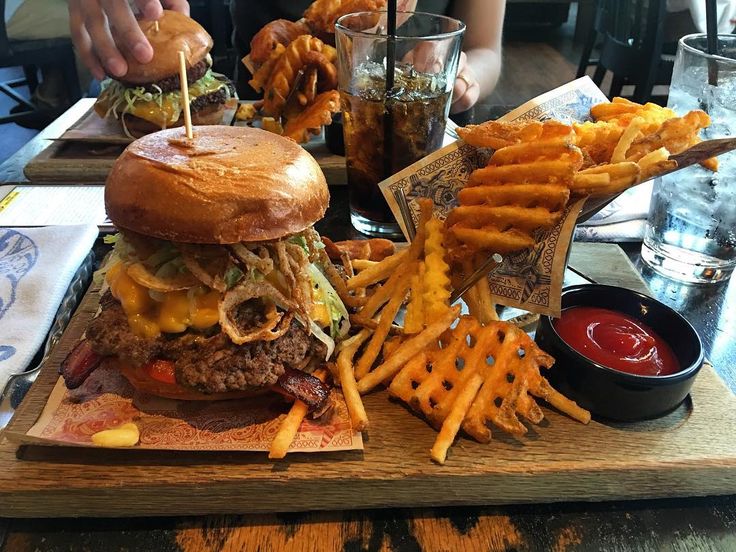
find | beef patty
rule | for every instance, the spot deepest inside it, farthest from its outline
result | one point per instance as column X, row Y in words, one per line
column 213, row 98
column 206, row 361
column 194, row 73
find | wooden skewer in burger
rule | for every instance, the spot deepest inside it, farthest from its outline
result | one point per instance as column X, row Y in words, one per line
column 216, row 288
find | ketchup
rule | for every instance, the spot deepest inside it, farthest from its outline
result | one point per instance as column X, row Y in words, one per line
column 616, row 341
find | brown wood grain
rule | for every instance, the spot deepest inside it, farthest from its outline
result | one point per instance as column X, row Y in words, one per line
column 691, row 452
column 537, row 68
column 320, row 531
column 82, row 162
column 69, row 161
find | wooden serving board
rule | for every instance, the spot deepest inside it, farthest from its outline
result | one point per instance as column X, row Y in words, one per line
column 77, row 157
column 68, row 162
column 691, row 452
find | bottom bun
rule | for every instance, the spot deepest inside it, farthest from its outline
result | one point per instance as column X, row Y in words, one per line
column 208, row 115
column 144, row 383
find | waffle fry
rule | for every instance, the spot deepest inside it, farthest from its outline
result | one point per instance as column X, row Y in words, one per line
column 285, row 69
column 432, row 391
column 407, row 350
column 479, row 372
column 537, row 167
column 322, row 14
column 315, row 115
column 263, row 73
column 479, row 375
column 676, row 134
column 279, row 32
column 497, row 134
column 524, row 188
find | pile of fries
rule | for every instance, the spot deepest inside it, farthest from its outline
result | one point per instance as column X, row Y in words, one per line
column 537, row 167
column 465, row 377
column 474, row 372
column 293, row 64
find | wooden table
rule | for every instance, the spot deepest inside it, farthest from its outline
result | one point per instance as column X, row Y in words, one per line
column 683, row 524
column 46, row 160
column 11, row 171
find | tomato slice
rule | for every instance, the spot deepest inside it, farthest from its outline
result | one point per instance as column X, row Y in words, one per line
column 161, row 370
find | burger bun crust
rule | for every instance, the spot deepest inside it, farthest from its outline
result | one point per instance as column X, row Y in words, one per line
column 176, row 32
column 226, row 185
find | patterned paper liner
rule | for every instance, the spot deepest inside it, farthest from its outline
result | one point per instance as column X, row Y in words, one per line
column 107, row 400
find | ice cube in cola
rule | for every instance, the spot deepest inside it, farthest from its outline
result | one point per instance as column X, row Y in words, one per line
column 417, row 108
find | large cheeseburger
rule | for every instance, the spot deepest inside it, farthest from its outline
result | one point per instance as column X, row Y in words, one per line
column 215, row 287
column 148, row 98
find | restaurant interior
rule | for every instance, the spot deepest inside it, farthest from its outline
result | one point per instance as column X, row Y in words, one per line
column 610, row 128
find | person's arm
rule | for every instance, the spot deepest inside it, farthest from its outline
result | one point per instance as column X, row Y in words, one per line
column 480, row 63
column 101, row 28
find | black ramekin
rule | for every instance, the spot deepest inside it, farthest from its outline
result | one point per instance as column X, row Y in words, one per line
column 618, row 395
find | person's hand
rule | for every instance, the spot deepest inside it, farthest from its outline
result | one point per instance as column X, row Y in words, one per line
column 466, row 90
column 100, row 29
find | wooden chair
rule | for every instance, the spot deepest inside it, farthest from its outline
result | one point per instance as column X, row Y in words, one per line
column 631, row 49
column 31, row 54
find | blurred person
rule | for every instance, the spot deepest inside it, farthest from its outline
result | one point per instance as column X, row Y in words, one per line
column 101, row 28
column 40, row 20
column 688, row 16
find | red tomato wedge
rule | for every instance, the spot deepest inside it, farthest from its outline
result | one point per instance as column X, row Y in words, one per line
column 161, row 370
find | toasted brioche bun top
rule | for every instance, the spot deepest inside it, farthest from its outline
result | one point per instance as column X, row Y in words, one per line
column 227, row 185
column 176, row 32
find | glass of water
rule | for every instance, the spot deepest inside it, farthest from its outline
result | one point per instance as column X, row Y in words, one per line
column 691, row 230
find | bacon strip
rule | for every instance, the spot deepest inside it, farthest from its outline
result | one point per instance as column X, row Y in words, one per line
column 305, row 387
column 79, row 364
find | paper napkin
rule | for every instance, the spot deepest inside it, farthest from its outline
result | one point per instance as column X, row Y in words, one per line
column 36, row 267
column 622, row 220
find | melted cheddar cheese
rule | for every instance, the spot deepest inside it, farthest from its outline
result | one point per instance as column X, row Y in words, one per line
column 163, row 109
column 171, row 312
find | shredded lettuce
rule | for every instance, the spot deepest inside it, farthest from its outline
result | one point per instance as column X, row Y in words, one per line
column 165, row 254
column 324, row 338
column 339, row 318
column 232, row 276
column 121, row 248
column 301, row 241
column 171, row 268
column 121, row 99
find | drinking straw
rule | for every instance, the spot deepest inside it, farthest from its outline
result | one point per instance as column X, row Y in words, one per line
column 391, row 46
column 185, row 94
column 388, row 135
column 712, row 30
